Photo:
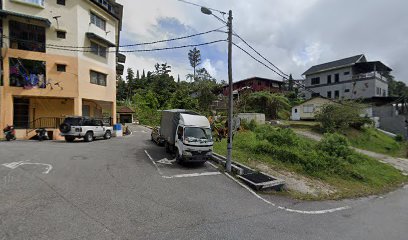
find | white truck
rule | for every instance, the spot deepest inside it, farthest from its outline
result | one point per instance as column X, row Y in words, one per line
column 187, row 134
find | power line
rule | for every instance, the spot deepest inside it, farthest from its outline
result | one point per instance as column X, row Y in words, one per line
column 197, row 5
column 259, row 61
column 235, row 34
column 265, row 65
column 143, row 50
column 120, row 46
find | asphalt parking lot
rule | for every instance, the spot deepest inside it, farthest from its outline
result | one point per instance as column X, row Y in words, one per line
column 129, row 188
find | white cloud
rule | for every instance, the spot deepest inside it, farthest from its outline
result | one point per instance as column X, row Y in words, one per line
column 292, row 34
column 209, row 67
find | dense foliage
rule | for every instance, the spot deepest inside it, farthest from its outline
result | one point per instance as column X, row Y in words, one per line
column 337, row 117
column 149, row 93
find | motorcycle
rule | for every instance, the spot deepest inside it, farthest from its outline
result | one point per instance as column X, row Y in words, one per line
column 42, row 134
column 10, row 133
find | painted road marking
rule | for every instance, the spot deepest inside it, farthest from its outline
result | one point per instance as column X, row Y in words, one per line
column 166, row 161
column 288, row 209
column 212, row 165
column 178, row 175
column 14, row 165
column 192, row 175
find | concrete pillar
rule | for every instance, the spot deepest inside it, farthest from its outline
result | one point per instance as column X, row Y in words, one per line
column 78, row 106
column 113, row 112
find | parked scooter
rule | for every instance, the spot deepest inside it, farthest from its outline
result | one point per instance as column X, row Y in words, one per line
column 42, row 134
column 9, row 132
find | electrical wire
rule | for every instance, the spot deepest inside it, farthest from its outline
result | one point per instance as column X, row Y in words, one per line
column 259, row 61
column 144, row 50
column 246, row 43
column 197, row 5
column 121, row 46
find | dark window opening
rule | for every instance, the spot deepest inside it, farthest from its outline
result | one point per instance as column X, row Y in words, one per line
column 61, row 67
column 336, row 94
column 27, row 73
column 346, row 73
column 329, row 79
column 98, row 21
column 98, row 49
column 98, row 78
column 61, row 34
column 336, row 77
column 347, row 90
column 329, row 94
column 315, row 94
column 296, row 110
column 315, row 80
column 61, row 2
column 27, row 36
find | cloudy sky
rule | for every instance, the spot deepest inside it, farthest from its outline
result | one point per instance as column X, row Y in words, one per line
column 293, row 35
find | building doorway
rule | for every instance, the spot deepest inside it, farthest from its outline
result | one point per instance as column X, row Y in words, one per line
column 21, row 113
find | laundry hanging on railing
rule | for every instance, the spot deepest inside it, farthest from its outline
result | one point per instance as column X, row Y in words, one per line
column 27, row 73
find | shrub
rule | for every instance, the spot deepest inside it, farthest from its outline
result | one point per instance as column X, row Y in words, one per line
column 399, row 138
column 249, row 125
column 335, row 145
column 335, row 117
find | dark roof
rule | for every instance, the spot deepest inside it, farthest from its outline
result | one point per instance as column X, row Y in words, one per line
column 256, row 78
column 371, row 66
column 100, row 39
column 124, row 109
column 336, row 64
column 5, row 13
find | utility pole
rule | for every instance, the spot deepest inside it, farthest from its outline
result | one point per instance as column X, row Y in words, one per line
column 231, row 94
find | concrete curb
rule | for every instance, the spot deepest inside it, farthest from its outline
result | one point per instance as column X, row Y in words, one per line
column 242, row 170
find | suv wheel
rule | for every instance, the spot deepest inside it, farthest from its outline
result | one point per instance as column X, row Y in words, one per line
column 88, row 137
column 65, row 128
column 107, row 135
column 69, row 138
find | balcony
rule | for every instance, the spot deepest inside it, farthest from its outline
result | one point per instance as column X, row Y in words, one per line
column 368, row 75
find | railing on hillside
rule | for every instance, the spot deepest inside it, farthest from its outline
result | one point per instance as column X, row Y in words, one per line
column 45, row 122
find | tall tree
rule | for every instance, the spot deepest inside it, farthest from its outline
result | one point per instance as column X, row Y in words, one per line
column 130, row 78
column 194, row 56
column 137, row 75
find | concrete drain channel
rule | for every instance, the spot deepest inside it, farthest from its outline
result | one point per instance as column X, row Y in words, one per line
column 258, row 181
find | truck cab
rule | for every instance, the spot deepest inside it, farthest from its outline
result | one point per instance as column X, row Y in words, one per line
column 188, row 135
column 194, row 143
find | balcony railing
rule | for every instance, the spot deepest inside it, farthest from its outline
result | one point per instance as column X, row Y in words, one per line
column 368, row 75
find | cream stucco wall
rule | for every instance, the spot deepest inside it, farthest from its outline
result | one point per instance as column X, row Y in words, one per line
column 298, row 111
column 75, row 82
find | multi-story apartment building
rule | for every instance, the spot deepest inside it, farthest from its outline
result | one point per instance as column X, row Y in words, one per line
column 349, row 78
column 59, row 58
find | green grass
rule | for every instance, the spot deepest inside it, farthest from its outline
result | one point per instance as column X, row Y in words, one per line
column 362, row 177
column 373, row 140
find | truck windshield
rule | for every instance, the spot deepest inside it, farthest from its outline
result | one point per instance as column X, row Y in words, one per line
column 194, row 134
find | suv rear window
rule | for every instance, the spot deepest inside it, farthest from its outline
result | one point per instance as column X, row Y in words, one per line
column 73, row 121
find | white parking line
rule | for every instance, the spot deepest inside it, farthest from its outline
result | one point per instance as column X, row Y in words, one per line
column 288, row 209
column 180, row 175
column 193, row 175
column 154, row 163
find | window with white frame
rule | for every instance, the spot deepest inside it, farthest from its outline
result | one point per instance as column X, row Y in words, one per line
column 32, row 2
column 98, row 21
column 308, row 108
column 98, row 49
column 98, row 78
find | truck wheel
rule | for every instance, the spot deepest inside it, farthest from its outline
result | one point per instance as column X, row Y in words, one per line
column 179, row 159
column 69, row 138
column 107, row 135
column 88, row 137
column 167, row 146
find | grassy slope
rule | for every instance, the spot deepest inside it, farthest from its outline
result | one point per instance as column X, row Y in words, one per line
column 378, row 177
column 376, row 141
column 368, row 139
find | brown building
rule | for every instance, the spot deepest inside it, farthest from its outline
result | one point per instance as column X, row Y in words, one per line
column 256, row 84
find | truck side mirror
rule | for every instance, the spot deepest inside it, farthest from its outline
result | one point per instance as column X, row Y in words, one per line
column 180, row 136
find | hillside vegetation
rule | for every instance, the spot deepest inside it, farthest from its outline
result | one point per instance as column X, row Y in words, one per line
column 330, row 160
